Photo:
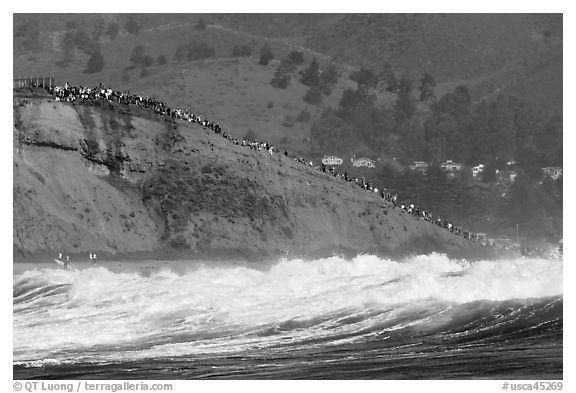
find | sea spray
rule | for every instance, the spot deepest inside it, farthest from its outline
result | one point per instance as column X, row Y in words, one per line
column 96, row 315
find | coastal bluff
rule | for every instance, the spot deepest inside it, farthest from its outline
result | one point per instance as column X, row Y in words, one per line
column 125, row 182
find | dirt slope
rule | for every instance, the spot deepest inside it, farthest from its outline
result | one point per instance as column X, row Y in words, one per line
column 120, row 180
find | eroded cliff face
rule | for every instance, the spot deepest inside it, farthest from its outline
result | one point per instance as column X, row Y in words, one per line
column 119, row 180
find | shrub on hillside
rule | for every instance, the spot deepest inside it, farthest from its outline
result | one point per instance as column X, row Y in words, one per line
column 161, row 60
column 241, row 51
column 365, row 77
column 265, row 55
column 329, row 78
column 132, row 26
column 193, row 51
column 311, row 75
column 313, row 95
column 427, row 84
column 112, row 30
column 95, row 63
column 147, row 61
column 281, row 80
column 296, row 57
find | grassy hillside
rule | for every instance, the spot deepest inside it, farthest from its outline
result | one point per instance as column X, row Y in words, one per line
column 516, row 54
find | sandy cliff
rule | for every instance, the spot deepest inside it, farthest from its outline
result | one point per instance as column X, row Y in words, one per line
column 120, row 180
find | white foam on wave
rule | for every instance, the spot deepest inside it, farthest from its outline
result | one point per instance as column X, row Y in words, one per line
column 219, row 309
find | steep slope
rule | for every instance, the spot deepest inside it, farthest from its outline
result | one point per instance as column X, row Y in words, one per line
column 116, row 179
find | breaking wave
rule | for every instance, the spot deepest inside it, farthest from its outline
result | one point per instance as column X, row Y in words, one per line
column 96, row 315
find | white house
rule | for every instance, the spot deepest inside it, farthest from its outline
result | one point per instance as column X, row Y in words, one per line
column 478, row 169
column 365, row 162
column 332, row 160
column 419, row 166
column 553, row 171
column 451, row 166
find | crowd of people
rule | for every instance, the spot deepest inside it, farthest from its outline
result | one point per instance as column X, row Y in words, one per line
column 409, row 208
column 69, row 93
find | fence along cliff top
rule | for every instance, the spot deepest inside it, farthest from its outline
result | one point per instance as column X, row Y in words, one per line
column 34, row 81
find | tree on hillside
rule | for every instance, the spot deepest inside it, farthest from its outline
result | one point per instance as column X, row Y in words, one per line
column 281, row 79
column 458, row 104
column 287, row 66
column 95, row 63
column 132, row 26
column 331, row 134
column 296, row 57
column 181, row 53
column 351, row 100
column 539, row 141
column 99, row 28
column 311, row 74
column 438, row 129
column 313, row 95
column 112, row 30
column 404, row 107
column 199, row 51
column 241, row 51
column 411, row 133
column 493, row 132
column 161, row 60
column 329, row 78
column 265, row 55
column 427, row 84
column 193, row 51
column 364, row 77
column 147, row 61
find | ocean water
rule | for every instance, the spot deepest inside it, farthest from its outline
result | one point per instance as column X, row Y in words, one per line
column 423, row 317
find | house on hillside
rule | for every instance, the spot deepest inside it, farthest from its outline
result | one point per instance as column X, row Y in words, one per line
column 332, row 160
column 554, row 172
column 420, row 166
column 506, row 177
column 363, row 162
column 451, row 166
column 477, row 170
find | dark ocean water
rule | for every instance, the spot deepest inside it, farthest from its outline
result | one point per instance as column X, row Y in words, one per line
column 425, row 317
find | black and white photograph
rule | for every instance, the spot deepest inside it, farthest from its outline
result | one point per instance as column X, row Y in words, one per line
column 287, row 195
